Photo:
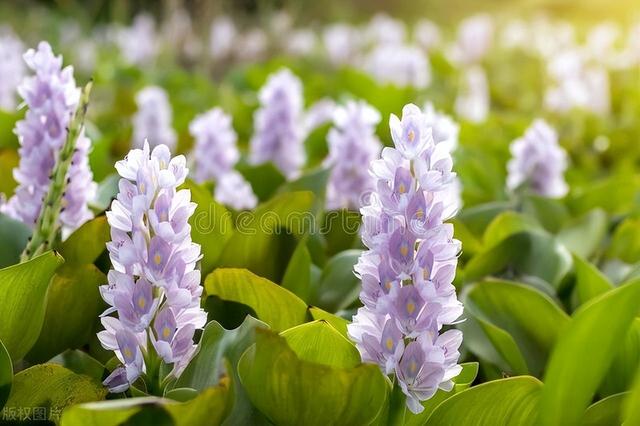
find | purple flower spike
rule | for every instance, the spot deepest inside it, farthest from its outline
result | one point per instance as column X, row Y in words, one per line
column 154, row 282
column 407, row 273
column 352, row 146
column 152, row 121
column 52, row 97
column 279, row 124
column 538, row 162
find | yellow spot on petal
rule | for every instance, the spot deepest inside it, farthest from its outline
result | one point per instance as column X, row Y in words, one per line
column 404, row 250
column 411, row 307
column 127, row 353
column 413, row 367
column 387, row 284
column 142, row 187
column 389, row 343
column 420, row 214
column 412, row 135
column 163, row 217
column 166, row 332
column 157, row 258
column 402, row 189
column 142, row 302
column 163, row 164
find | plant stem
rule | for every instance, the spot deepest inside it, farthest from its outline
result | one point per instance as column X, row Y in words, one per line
column 47, row 225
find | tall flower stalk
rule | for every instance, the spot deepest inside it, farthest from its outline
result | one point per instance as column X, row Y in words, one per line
column 153, row 287
column 408, row 270
column 54, row 167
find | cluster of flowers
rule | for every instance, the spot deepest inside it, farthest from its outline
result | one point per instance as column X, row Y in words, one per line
column 279, row 124
column 538, row 162
column 52, row 97
column 216, row 154
column 153, row 286
column 153, row 119
column 408, row 270
column 352, row 145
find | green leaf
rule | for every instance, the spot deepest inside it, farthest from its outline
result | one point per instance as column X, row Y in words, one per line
column 80, row 363
column 259, row 244
column 86, row 243
column 512, row 401
column 340, row 230
column 550, row 213
column 23, row 289
column 209, row 408
column 631, row 408
column 583, row 235
column 273, row 304
column 590, row 282
column 107, row 191
column 596, row 329
column 319, row 342
column 339, row 323
column 297, row 277
column 6, row 375
column 211, row 225
column 338, row 287
column 526, row 253
column 14, row 235
column 53, row 387
column 461, row 382
column 607, row 411
column 265, row 179
column 73, row 307
column 8, row 161
column 506, row 224
column 529, row 316
column 291, row 391
column 471, row 244
column 314, row 181
column 477, row 218
column 615, row 195
column 625, row 242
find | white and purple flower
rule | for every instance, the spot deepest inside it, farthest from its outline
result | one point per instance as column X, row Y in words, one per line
column 408, row 270
column 152, row 121
column 154, row 286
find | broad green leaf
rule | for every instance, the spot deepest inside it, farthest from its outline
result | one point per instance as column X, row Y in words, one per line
column 80, row 363
column 477, row 218
column 14, row 236
column 73, row 307
column 314, row 181
column 583, row 235
column 273, row 304
column 529, row 316
column 6, row 375
column 607, row 411
column 472, row 245
column 340, row 230
column 87, row 243
column 506, row 224
column 337, row 322
column 260, row 241
column 490, row 342
column 53, row 387
column 526, row 253
column 461, row 382
column 8, row 161
column 596, row 329
column 265, row 179
column 217, row 343
column 319, row 342
column 590, row 282
column 211, row 225
column 550, row 213
column 625, row 242
column 338, row 287
column 297, row 277
column 512, row 401
column 627, row 359
column 209, row 408
column 219, row 350
column 631, row 408
column 23, row 289
column 615, row 195
column 291, row 391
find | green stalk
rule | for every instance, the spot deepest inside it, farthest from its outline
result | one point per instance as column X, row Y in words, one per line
column 47, row 225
